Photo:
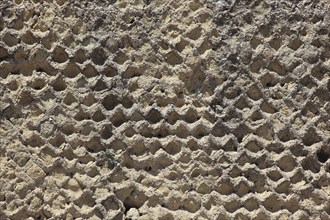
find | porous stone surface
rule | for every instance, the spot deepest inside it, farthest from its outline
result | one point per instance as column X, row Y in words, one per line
column 164, row 109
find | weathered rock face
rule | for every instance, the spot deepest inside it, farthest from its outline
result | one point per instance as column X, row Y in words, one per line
column 164, row 109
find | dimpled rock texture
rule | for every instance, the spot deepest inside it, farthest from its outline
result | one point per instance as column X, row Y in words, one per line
column 198, row 109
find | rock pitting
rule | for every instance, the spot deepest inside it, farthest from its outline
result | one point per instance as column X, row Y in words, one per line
column 141, row 109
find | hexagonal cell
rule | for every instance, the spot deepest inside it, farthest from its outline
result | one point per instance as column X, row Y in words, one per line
column 191, row 116
column 200, row 131
column 196, row 172
column 242, row 103
column 265, row 131
column 68, row 40
column 274, row 175
column 273, row 203
column 180, row 46
column 21, row 55
column 118, row 118
column 265, row 30
column 69, row 99
column 38, row 84
column 89, row 71
column 110, row 102
column 35, row 172
column 89, row 100
column 204, row 47
column 317, row 71
column 286, row 135
column 139, row 148
column 295, row 43
column 106, row 131
column 173, row 147
column 262, row 214
column 241, row 189
column 35, row 140
column 130, row 132
column 192, row 205
column 98, row 116
column 120, row 57
column 235, row 171
column 94, row 145
column 71, row 70
column 3, row 53
column 161, row 132
column 118, row 145
column 251, row 204
column 133, row 71
column 192, row 144
column 276, row 43
column 254, row 146
column 323, row 154
column 257, row 64
column 254, row 92
column 292, row 205
column 109, row 71
column 308, row 81
column 60, row 2
column 173, row 58
column 81, row 115
column 232, row 206
column 12, row 85
column 145, row 131
column 154, row 116
column 28, row 38
column 18, row 2
column 255, row 42
column 310, row 110
column 256, row 116
column 136, row 116
column 68, row 129
column 25, row 98
column 85, row 200
column 316, row 43
column 59, row 55
column 100, row 85
column 287, row 163
column 230, row 145
column 57, row 141
column 268, row 80
column 181, row 131
column 283, row 187
column 311, row 164
column 80, row 56
column 21, row 158
column 195, row 5
column 59, row 84
column 277, row 67
column 162, row 160
column 298, row 150
column 127, row 102
column 311, row 137
column 111, row 203
column 172, row 117
column 98, row 56
column 267, row 107
column 276, row 147
column 195, row 33
column 241, row 131
column 9, row 39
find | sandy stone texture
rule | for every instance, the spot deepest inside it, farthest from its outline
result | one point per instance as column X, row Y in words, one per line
column 165, row 109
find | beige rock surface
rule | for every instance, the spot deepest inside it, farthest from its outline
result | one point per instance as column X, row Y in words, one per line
column 164, row 109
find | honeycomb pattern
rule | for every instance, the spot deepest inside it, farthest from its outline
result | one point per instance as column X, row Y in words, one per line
column 198, row 109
